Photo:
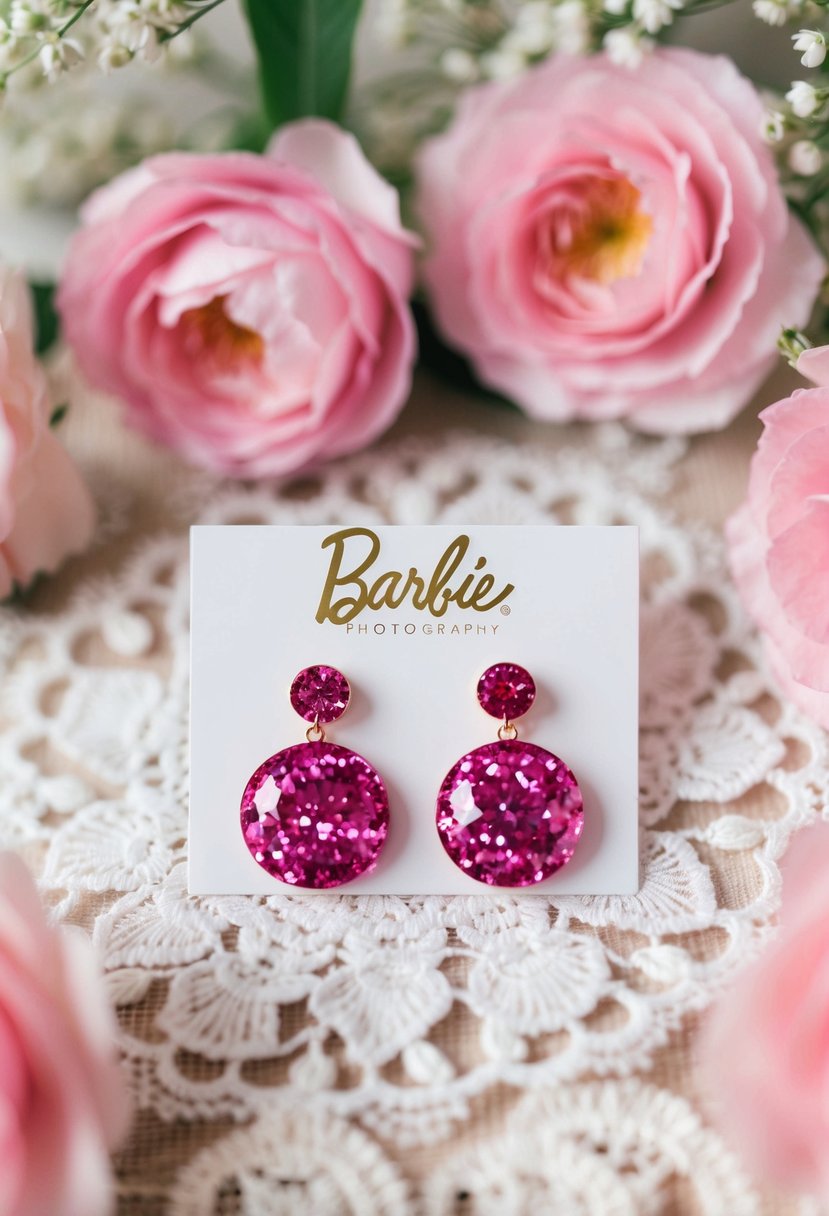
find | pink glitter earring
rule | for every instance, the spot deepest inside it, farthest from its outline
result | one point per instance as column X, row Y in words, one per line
column 509, row 813
column 316, row 814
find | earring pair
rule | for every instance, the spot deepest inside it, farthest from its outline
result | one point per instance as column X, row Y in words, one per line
column 316, row 814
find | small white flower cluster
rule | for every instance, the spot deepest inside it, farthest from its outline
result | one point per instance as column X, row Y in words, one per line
column 454, row 43
column 46, row 37
column 130, row 29
column 793, row 131
column 30, row 31
column 475, row 40
column 627, row 43
column 777, row 12
column 805, row 99
column 800, row 130
column 531, row 32
column 56, row 155
column 812, row 44
column 627, row 46
column 442, row 46
column 439, row 47
column 799, row 127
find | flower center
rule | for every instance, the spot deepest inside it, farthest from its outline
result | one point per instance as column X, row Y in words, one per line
column 209, row 330
column 596, row 231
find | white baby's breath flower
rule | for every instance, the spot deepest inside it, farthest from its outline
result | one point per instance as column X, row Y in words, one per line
column 813, row 45
column 457, row 64
column 170, row 12
column 29, row 17
column 55, row 155
column 626, row 47
column 773, row 127
column 150, row 48
column 616, row 7
column 57, row 54
column 8, row 46
column 534, row 12
column 773, row 12
column 543, row 26
column 140, row 38
column 112, row 55
column 394, row 23
column 137, row 25
column 654, row 15
column 526, row 40
column 805, row 158
column 571, row 27
column 804, row 98
column 110, row 32
column 503, row 65
column 534, row 30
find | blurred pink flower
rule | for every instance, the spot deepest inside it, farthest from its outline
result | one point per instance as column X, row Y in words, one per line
column 62, row 1104
column 779, row 546
column 814, row 365
column 605, row 243
column 251, row 311
column 46, row 512
column 765, row 1047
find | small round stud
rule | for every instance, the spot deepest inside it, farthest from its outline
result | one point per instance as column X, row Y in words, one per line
column 506, row 691
column 320, row 694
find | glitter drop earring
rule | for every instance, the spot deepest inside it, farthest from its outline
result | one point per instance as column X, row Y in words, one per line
column 509, row 813
column 316, row 814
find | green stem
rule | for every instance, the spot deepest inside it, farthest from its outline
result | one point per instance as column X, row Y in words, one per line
column 804, row 213
column 817, row 192
column 76, row 16
column 59, row 33
column 202, row 11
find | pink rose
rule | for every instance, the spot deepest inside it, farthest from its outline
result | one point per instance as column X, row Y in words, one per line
column 46, row 512
column 779, row 546
column 250, row 310
column 765, row 1049
column 62, row 1104
column 609, row 243
column 814, row 365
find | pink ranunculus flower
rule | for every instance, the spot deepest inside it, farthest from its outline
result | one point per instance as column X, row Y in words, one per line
column 607, row 243
column 251, row 311
column 46, row 512
column 813, row 363
column 765, row 1047
column 62, row 1102
column 779, row 546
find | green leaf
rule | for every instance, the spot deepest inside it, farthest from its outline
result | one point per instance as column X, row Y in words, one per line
column 47, row 322
column 58, row 414
column 447, row 364
column 304, row 53
column 249, row 134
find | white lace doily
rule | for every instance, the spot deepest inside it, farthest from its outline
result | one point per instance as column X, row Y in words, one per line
column 319, row 1048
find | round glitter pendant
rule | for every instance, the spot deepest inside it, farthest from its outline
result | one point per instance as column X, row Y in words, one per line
column 509, row 813
column 316, row 814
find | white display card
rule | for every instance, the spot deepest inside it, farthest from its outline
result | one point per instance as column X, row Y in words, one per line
column 268, row 601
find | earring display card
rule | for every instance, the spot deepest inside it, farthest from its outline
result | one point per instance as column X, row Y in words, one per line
column 412, row 616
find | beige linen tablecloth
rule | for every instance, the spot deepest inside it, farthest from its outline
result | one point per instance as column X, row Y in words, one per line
column 388, row 1056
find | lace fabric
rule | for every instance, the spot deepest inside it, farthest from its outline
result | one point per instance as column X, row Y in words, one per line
column 326, row 1052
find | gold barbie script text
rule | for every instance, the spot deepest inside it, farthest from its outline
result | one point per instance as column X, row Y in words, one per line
column 354, row 551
